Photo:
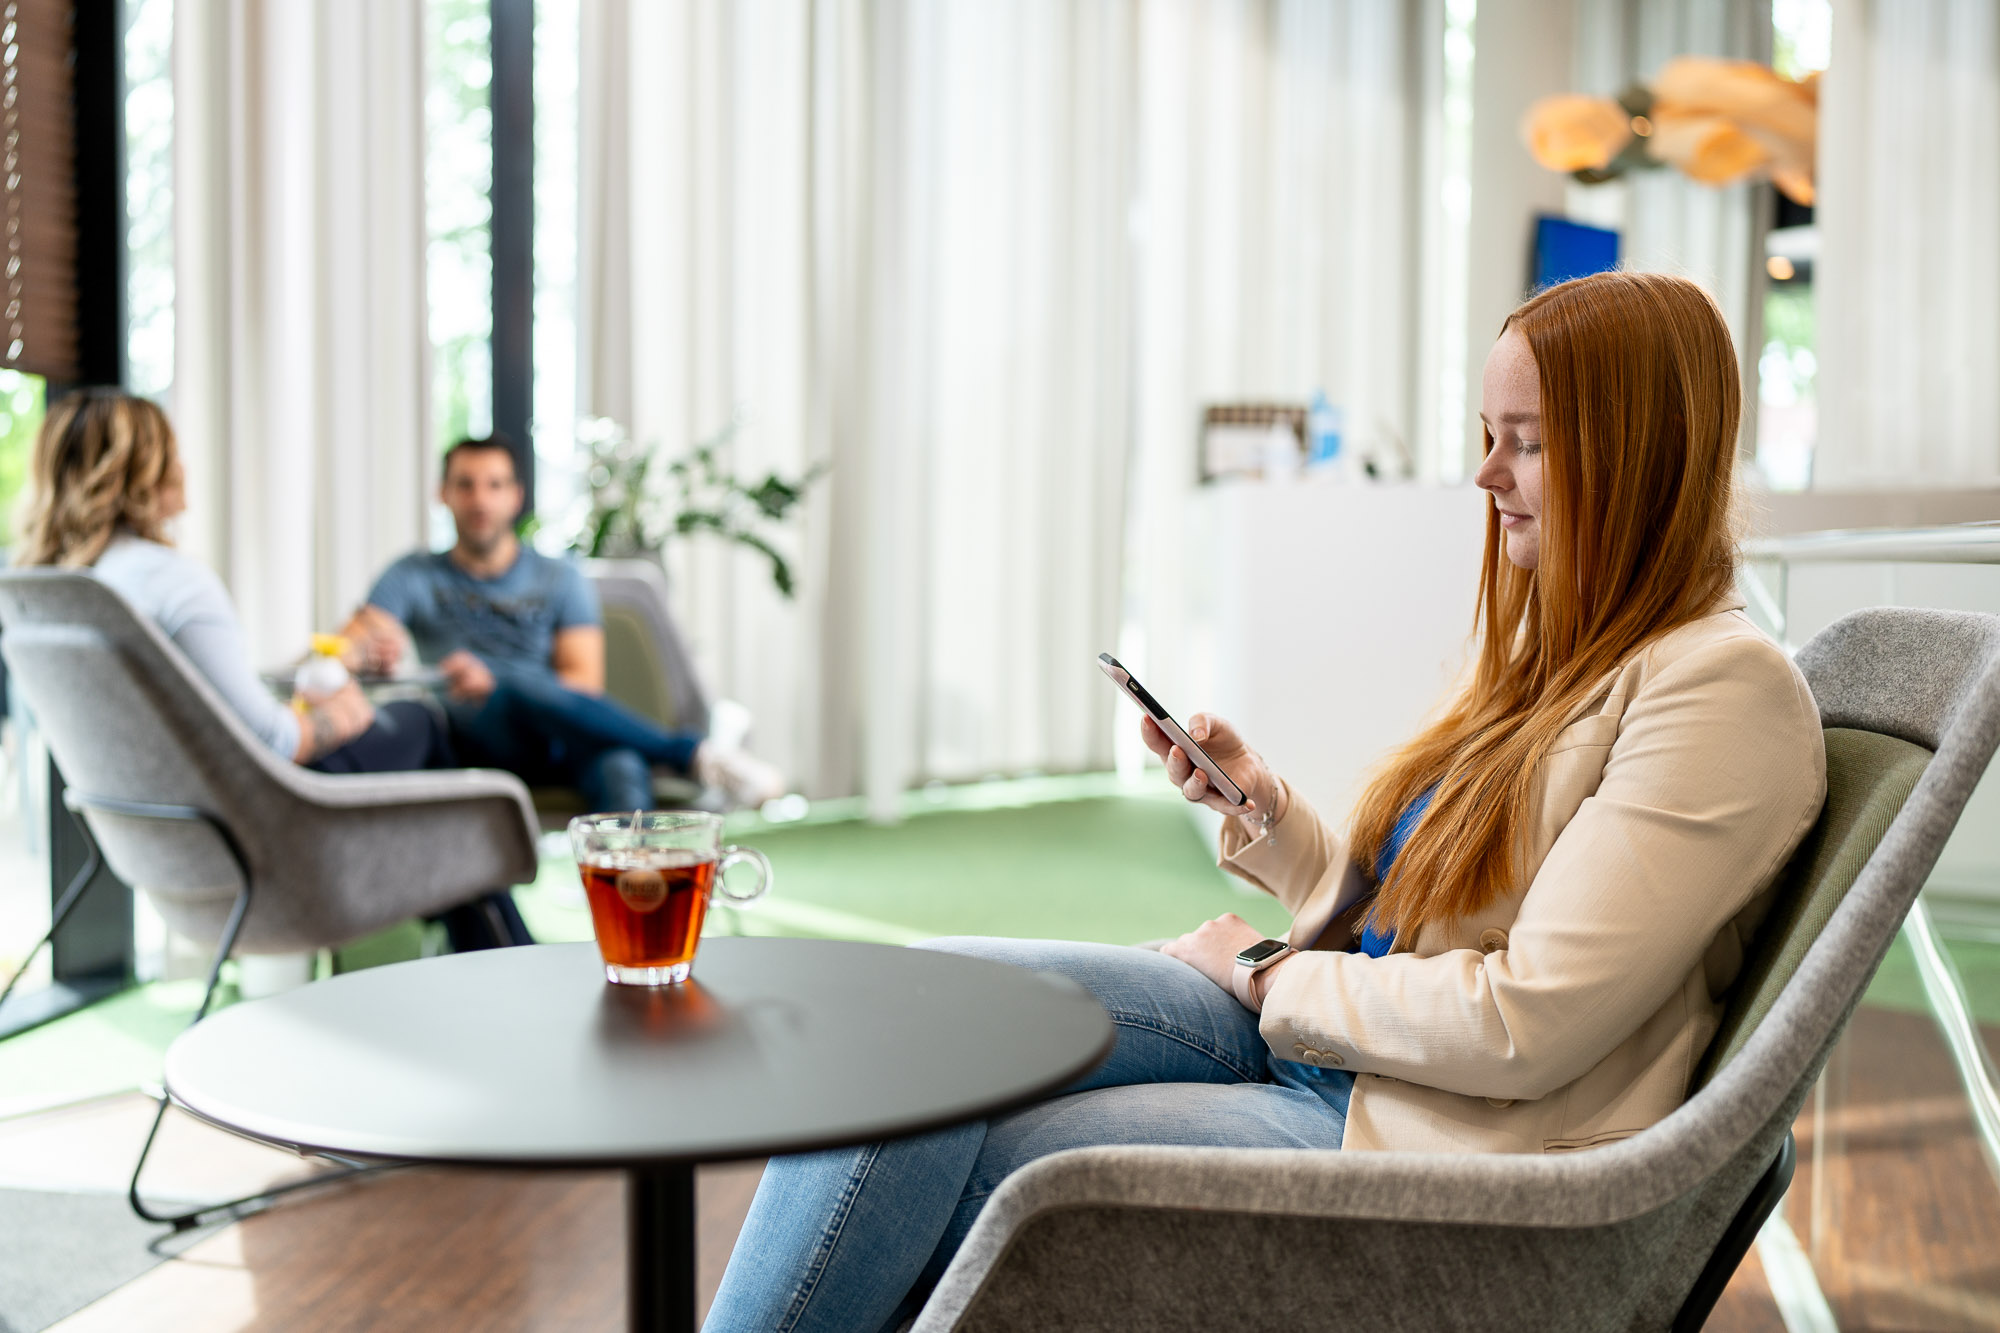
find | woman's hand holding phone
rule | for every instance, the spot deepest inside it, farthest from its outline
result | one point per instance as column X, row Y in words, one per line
column 1228, row 750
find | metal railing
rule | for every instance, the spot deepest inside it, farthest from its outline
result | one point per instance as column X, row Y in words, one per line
column 1960, row 544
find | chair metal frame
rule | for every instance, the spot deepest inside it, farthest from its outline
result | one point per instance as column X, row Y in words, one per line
column 77, row 804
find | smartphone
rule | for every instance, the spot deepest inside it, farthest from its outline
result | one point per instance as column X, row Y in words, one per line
column 1125, row 681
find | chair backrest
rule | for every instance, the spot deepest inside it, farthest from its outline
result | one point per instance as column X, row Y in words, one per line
column 647, row 665
column 332, row 857
column 1868, row 778
column 126, row 717
column 1914, row 681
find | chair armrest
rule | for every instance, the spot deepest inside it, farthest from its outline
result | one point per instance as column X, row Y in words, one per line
column 1077, row 1225
column 1118, row 1238
column 1504, row 1189
column 434, row 834
column 348, row 790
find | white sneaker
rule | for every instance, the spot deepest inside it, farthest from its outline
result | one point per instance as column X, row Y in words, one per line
column 747, row 780
column 728, row 724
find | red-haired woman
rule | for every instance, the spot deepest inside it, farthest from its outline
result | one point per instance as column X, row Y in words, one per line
column 1521, row 943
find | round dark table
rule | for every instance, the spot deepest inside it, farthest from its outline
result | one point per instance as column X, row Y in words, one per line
column 527, row 1058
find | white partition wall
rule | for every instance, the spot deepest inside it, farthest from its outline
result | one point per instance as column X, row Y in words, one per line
column 1339, row 617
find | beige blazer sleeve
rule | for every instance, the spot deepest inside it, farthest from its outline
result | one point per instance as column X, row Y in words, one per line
column 1302, row 862
column 1291, row 860
column 1714, row 774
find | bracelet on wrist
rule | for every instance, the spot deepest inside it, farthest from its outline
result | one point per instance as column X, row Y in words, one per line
column 1265, row 825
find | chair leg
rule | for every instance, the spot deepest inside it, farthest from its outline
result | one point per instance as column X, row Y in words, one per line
column 508, row 917
column 184, row 1221
column 78, row 802
column 490, row 921
column 71, row 896
column 249, row 1202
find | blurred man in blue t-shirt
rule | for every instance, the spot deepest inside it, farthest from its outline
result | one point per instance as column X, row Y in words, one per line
column 519, row 642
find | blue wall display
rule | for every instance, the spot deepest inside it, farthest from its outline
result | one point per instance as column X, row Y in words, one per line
column 1565, row 250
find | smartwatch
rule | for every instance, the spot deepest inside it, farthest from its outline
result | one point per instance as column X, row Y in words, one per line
column 1249, row 963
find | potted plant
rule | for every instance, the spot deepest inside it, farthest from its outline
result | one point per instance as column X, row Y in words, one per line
column 635, row 499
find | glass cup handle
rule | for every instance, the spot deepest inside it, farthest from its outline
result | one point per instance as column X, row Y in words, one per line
column 730, row 856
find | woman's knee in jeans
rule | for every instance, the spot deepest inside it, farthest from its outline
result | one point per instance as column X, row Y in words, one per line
column 1122, row 977
column 1090, row 965
column 1173, row 1024
column 997, row 948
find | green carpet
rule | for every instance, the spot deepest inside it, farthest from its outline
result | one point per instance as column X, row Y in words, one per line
column 1070, row 858
column 1117, row 867
column 112, row 1046
column 1075, row 858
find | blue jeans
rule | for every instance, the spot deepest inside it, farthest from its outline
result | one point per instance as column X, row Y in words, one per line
column 854, row 1239
column 546, row 733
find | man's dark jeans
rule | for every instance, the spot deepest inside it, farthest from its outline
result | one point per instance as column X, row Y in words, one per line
column 406, row 735
column 550, row 735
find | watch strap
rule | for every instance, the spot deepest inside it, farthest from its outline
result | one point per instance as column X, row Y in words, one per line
column 1239, row 981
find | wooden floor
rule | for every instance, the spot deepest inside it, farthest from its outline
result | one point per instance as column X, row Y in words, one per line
column 1747, row 1307
column 428, row 1249
column 1893, row 1200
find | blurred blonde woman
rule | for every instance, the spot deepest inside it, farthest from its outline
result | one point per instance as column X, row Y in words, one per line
column 1520, row 941
column 105, row 483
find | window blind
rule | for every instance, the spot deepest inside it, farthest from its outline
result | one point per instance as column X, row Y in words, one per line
column 38, row 217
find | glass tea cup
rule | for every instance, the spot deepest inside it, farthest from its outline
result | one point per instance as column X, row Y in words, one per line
column 648, row 875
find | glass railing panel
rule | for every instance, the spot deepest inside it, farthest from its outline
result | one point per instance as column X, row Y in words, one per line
column 1894, row 1215
column 1895, row 1203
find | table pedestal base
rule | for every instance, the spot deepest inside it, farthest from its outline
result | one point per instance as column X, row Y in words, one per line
column 659, row 1249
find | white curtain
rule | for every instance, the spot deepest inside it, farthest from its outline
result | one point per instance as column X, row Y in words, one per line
column 300, row 344
column 988, row 261
column 890, row 237
column 1278, row 155
column 1908, row 278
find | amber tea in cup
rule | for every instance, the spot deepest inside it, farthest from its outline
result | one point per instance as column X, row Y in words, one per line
column 649, row 876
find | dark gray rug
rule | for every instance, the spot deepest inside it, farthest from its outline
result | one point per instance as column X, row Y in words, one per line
column 60, row 1252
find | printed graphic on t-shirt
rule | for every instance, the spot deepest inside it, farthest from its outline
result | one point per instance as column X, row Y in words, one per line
column 494, row 626
column 510, row 621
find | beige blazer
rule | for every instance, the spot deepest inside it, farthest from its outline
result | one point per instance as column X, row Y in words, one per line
column 1573, row 1010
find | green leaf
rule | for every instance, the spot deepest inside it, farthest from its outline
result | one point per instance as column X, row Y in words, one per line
column 781, row 573
column 774, row 496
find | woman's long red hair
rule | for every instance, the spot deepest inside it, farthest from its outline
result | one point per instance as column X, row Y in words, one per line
column 1640, row 400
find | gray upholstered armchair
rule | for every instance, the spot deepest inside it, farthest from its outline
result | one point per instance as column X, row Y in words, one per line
column 235, row 846
column 647, row 665
column 1640, row 1234
column 129, row 721
column 649, row 669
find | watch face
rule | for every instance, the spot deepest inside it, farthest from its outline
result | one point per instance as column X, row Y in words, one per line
column 1260, row 951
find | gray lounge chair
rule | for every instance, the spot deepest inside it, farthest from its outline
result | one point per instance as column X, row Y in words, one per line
column 1641, row 1234
column 647, row 665
column 234, row 845
column 649, row 669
